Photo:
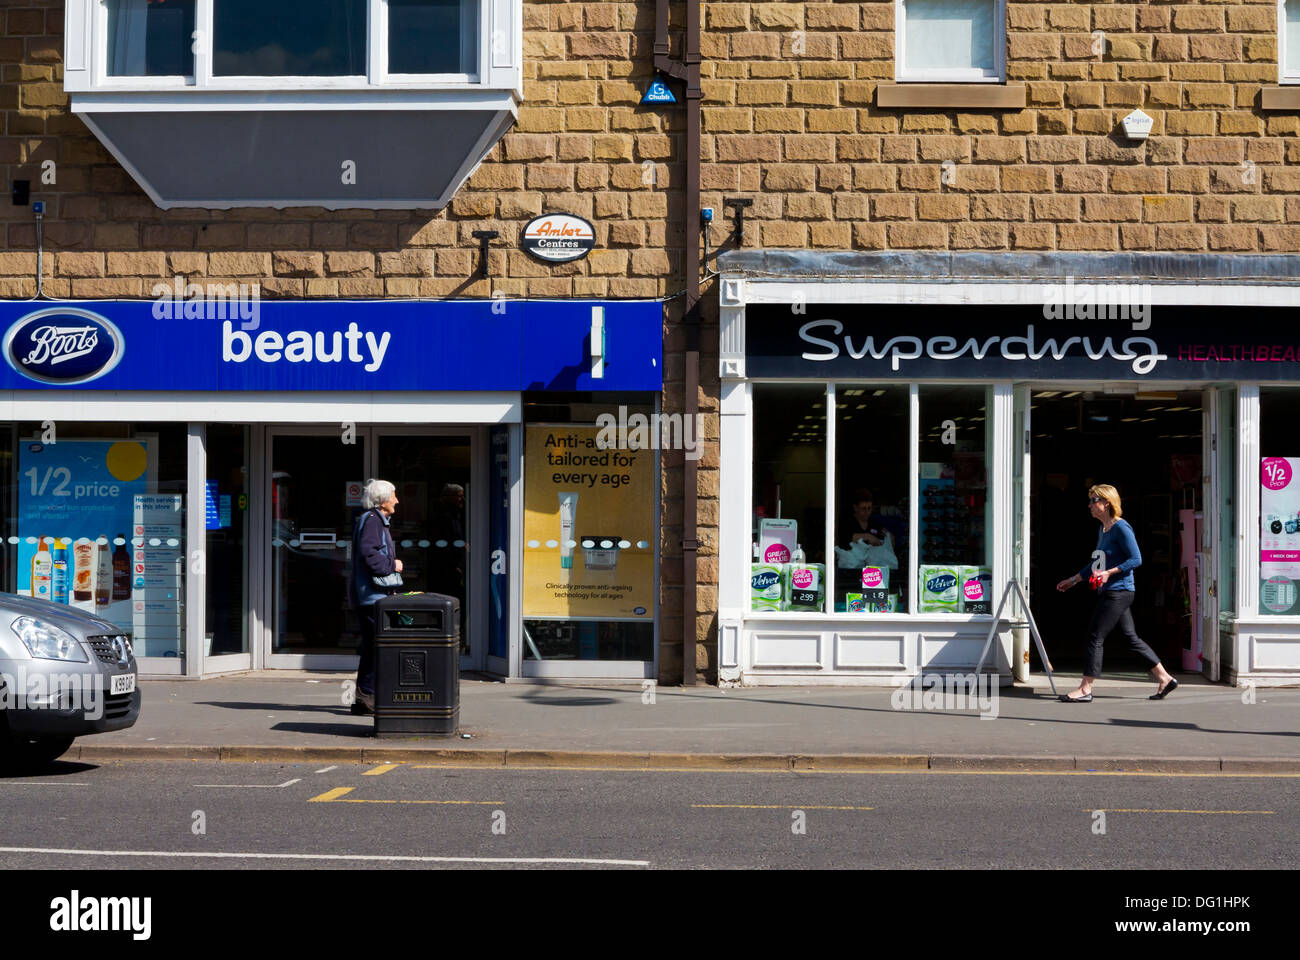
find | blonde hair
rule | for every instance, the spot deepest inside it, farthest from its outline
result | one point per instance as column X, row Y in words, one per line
column 1110, row 495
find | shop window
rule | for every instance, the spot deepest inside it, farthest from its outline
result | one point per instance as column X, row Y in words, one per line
column 950, row 40
column 97, row 522
column 226, row 536
column 148, row 39
column 1226, row 591
column 1279, row 502
column 955, row 573
column 590, row 531
column 789, row 498
column 871, row 496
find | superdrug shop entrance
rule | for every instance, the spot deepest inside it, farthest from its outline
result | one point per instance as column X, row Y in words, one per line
column 1147, row 444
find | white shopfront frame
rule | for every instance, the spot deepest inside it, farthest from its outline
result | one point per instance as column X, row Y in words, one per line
column 827, row 648
column 261, row 565
column 397, row 410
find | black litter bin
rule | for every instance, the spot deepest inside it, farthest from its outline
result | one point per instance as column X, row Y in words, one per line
column 417, row 665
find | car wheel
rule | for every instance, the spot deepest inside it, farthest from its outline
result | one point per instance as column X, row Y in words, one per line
column 21, row 754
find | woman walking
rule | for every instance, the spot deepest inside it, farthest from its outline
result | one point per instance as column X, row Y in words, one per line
column 376, row 572
column 1111, row 571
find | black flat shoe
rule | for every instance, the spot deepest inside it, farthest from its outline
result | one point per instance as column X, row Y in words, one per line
column 1065, row 698
column 1169, row 688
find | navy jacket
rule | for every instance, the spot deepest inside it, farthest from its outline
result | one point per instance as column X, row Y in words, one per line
column 1121, row 550
column 373, row 555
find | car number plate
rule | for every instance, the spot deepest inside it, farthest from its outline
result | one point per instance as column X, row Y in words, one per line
column 124, row 683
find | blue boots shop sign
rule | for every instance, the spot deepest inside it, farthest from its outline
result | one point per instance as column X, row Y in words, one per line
column 498, row 344
column 63, row 345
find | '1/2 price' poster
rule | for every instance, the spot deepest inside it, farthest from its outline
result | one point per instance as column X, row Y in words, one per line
column 1279, row 534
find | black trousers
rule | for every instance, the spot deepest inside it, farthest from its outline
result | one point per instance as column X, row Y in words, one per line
column 1113, row 609
column 366, row 665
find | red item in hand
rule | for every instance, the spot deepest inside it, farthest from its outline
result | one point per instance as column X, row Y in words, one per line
column 1094, row 581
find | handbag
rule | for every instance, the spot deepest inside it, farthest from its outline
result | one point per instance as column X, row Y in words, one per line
column 390, row 580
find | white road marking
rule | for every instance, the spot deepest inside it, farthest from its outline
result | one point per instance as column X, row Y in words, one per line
column 253, row 786
column 319, row 856
column 328, row 769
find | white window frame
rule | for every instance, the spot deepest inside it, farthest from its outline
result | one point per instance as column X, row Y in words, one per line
column 903, row 74
column 495, row 18
column 379, row 49
column 1287, row 71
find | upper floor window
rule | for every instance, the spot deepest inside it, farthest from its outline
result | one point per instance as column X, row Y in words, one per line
column 147, row 39
column 1288, row 47
column 221, row 42
column 379, row 104
column 950, row 40
column 303, row 38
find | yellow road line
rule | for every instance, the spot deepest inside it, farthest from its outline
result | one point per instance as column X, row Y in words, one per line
column 1135, row 810
column 769, row 806
column 330, row 795
column 382, row 768
column 486, row 803
column 913, row 771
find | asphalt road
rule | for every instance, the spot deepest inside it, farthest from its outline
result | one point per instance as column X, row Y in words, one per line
column 138, row 815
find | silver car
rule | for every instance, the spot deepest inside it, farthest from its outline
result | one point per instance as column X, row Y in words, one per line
column 64, row 673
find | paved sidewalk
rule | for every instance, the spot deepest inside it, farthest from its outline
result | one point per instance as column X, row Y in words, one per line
column 272, row 716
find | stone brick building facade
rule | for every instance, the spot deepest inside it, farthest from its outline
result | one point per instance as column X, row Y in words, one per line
column 791, row 120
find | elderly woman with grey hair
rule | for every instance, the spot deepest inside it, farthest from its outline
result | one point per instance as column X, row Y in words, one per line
column 374, row 558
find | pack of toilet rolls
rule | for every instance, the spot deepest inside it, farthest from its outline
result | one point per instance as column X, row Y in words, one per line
column 787, row 586
column 954, row 588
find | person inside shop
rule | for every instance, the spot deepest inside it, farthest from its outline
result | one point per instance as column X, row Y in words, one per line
column 376, row 573
column 865, row 536
column 447, row 562
column 1110, row 573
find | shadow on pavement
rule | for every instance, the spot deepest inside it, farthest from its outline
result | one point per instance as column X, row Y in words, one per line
column 58, row 768
column 365, row 730
column 339, row 708
column 570, row 701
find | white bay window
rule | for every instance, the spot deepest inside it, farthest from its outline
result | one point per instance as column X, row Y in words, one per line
column 408, row 94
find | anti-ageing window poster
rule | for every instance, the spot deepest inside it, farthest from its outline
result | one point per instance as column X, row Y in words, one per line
column 1279, row 534
column 588, row 526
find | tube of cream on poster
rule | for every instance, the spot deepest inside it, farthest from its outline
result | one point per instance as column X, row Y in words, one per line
column 568, row 514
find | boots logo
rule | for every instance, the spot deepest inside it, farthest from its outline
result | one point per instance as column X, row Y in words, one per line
column 63, row 345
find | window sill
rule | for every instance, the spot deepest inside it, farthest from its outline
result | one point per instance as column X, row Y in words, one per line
column 1283, row 97
column 867, row 619
column 978, row 96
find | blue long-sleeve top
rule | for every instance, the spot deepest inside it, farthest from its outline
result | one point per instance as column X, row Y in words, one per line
column 1120, row 548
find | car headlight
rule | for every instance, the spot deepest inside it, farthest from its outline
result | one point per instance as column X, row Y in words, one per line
column 48, row 642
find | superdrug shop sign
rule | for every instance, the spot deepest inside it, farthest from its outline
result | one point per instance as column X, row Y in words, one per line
column 911, row 341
